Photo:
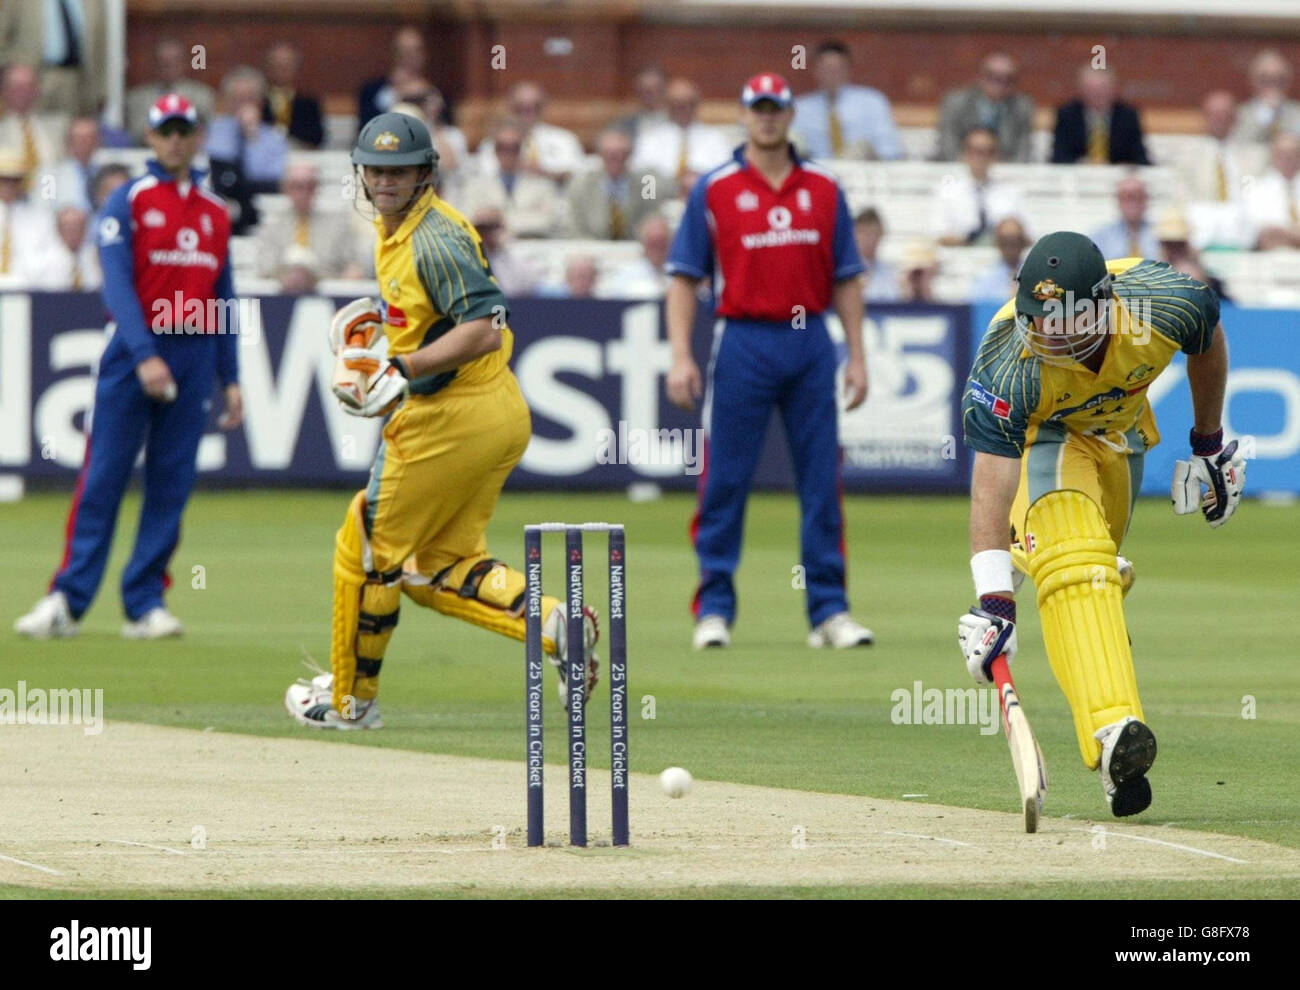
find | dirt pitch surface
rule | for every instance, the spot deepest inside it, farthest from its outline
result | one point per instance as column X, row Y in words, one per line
column 160, row 809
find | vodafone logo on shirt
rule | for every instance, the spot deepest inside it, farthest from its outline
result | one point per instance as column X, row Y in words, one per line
column 780, row 232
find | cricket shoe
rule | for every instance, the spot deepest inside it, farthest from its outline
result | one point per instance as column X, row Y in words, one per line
column 557, row 630
column 311, row 703
column 841, row 632
column 50, row 618
column 711, row 631
column 1128, row 748
column 157, row 623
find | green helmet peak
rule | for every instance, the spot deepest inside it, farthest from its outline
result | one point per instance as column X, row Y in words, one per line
column 1062, row 266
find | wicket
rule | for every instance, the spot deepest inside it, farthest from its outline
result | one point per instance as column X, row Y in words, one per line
column 576, row 679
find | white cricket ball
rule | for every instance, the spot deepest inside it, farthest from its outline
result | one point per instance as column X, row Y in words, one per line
column 676, row 782
column 170, row 393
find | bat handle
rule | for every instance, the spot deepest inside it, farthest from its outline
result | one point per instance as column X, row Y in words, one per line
column 1001, row 672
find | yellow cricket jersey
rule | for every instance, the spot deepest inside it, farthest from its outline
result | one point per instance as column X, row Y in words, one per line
column 1012, row 397
column 433, row 275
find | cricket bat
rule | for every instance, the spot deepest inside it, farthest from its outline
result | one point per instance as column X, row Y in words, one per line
column 1031, row 772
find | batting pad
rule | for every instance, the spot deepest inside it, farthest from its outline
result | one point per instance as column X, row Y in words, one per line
column 1071, row 559
column 488, row 597
column 349, row 580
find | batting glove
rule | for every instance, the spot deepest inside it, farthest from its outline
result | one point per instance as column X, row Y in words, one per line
column 984, row 633
column 388, row 383
column 1211, row 481
column 356, row 323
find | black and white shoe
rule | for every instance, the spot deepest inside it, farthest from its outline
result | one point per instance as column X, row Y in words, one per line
column 311, row 703
column 557, row 629
column 1128, row 748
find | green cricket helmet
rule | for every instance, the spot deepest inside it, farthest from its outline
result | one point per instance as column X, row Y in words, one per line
column 394, row 139
column 1063, row 277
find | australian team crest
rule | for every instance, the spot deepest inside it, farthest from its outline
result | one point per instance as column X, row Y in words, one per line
column 1047, row 289
column 387, row 141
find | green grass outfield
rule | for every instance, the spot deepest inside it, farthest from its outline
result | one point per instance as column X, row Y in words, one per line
column 1211, row 618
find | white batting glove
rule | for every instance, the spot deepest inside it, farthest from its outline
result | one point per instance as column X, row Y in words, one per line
column 355, row 324
column 386, row 387
column 1211, row 482
column 983, row 637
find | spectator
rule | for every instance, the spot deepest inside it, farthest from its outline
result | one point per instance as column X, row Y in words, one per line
column 448, row 140
column 1132, row 235
column 106, row 179
column 680, row 147
column 1175, row 237
column 530, row 203
column 406, row 78
column 511, row 270
column 920, row 266
column 998, row 284
column 992, row 103
column 651, row 83
column 609, row 202
column 71, row 177
column 880, row 276
column 37, row 137
column 70, row 261
column 1097, row 128
column 643, row 278
column 26, row 228
column 1219, row 176
column 241, row 137
column 579, row 279
column 70, row 37
column 840, row 120
column 969, row 204
column 294, row 115
column 330, row 235
column 1268, row 112
column 298, row 271
column 547, row 150
column 1273, row 203
column 171, row 63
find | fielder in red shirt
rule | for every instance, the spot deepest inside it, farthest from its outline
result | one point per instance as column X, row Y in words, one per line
column 772, row 231
column 164, row 248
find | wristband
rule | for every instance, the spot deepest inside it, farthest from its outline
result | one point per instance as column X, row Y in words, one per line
column 999, row 605
column 403, row 369
column 1206, row 444
column 991, row 570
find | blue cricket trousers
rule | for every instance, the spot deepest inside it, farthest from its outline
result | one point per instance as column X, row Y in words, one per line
column 755, row 367
column 124, row 419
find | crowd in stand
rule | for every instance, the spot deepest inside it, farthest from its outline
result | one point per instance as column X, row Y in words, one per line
column 531, row 179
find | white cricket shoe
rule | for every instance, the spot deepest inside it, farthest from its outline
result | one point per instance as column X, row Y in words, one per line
column 157, row 623
column 311, row 703
column 557, row 629
column 711, row 631
column 840, row 632
column 1128, row 748
column 49, row 618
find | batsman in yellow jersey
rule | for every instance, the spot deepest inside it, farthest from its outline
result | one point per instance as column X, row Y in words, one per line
column 1056, row 409
column 456, row 426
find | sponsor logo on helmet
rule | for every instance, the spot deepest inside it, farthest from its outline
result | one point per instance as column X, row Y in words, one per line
column 1047, row 289
column 388, row 141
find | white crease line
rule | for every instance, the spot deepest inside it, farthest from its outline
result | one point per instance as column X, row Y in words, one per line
column 1160, row 842
column 915, row 835
column 34, row 866
column 145, row 845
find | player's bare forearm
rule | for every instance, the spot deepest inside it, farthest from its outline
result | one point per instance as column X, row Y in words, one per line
column 846, row 298
column 1207, row 376
column 679, row 309
column 459, row 345
column 993, row 484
